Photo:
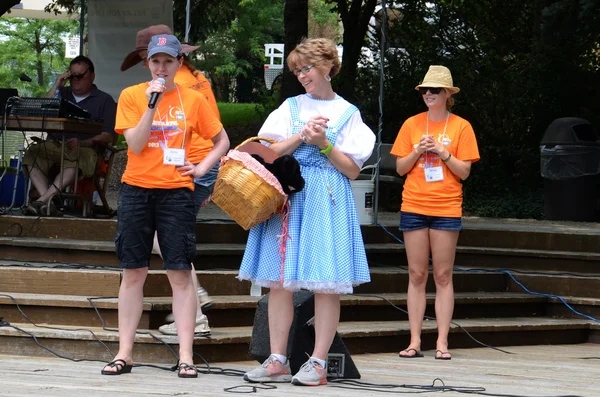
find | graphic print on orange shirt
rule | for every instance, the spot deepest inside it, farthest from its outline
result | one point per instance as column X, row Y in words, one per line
column 166, row 127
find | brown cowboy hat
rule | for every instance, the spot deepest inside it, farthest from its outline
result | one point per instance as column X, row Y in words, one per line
column 142, row 40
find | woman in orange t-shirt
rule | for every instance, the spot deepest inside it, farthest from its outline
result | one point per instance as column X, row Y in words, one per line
column 187, row 76
column 157, row 195
column 435, row 150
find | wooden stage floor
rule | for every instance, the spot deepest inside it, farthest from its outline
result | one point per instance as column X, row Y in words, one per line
column 564, row 370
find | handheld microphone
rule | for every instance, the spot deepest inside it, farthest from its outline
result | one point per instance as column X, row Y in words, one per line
column 154, row 96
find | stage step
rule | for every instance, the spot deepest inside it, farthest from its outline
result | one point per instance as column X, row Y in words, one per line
column 477, row 232
column 232, row 343
column 239, row 310
column 83, row 281
column 229, row 255
column 79, row 261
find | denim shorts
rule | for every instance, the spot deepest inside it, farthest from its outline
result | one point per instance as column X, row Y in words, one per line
column 169, row 212
column 203, row 187
column 410, row 221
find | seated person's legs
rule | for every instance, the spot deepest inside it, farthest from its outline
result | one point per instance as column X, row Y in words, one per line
column 41, row 157
column 37, row 161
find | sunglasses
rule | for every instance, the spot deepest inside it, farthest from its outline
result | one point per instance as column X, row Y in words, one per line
column 433, row 90
column 303, row 70
column 78, row 76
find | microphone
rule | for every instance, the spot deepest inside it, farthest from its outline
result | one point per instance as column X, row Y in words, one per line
column 154, row 96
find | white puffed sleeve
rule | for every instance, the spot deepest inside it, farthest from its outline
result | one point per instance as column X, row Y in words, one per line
column 356, row 140
column 278, row 126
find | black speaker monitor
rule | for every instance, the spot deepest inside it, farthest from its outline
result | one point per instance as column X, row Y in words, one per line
column 301, row 340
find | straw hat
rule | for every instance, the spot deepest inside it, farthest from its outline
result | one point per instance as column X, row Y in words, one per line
column 142, row 40
column 438, row 76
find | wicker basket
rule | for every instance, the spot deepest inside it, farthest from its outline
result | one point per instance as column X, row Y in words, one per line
column 246, row 197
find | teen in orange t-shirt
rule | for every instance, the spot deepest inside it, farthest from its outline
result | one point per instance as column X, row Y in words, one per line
column 157, row 195
column 435, row 150
column 186, row 76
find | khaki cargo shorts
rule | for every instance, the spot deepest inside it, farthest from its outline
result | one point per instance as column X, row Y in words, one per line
column 46, row 154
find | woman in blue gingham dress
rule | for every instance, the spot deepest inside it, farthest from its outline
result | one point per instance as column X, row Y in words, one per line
column 324, row 252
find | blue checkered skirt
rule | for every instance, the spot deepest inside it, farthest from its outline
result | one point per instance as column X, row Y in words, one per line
column 324, row 252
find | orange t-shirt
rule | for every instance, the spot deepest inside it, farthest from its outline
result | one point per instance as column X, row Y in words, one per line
column 172, row 126
column 442, row 198
column 185, row 78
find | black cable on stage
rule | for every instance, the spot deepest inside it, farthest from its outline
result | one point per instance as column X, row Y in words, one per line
column 389, row 388
column 433, row 318
column 52, row 328
column 250, row 388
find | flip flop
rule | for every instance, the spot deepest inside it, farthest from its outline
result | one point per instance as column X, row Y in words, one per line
column 185, row 367
column 121, row 366
column 441, row 357
column 416, row 355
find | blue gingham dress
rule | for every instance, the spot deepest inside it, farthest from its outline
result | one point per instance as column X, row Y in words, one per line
column 325, row 250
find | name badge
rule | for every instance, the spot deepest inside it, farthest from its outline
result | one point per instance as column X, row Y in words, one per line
column 174, row 157
column 434, row 174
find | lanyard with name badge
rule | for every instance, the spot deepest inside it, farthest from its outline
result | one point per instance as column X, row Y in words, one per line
column 173, row 156
column 434, row 174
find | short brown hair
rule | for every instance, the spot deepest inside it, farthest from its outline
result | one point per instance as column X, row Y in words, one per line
column 320, row 52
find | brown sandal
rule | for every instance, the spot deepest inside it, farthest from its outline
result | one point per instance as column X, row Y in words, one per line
column 441, row 356
column 416, row 355
column 186, row 367
column 121, row 366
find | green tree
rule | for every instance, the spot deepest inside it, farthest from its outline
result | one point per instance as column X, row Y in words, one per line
column 355, row 15
column 36, row 48
column 323, row 20
column 233, row 54
column 519, row 65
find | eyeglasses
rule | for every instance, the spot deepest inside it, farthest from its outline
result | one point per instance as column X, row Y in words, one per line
column 433, row 90
column 78, row 76
column 303, row 70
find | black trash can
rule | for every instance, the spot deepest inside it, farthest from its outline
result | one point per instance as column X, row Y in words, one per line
column 570, row 166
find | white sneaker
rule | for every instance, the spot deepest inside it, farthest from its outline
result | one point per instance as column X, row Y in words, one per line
column 205, row 300
column 311, row 373
column 205, row 303
column 202, row 328
column 272, row 370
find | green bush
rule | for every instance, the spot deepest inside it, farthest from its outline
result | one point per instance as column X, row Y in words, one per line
column 236, row 114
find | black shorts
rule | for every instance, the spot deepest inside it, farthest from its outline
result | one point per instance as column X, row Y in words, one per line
column 169, row 212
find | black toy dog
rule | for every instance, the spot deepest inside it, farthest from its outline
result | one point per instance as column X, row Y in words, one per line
column 287, row 171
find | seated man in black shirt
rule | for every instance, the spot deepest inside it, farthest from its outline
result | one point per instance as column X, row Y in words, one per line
column 81, row 149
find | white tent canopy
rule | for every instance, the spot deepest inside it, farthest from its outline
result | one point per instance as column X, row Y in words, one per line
column 35, row 9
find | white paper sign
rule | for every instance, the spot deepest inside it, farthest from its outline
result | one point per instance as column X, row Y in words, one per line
column 72, row 47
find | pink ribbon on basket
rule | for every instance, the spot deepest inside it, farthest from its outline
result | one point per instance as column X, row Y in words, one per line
column 282, row 238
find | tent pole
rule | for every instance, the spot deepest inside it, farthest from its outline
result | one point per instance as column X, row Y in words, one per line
column 82, row 13
column 187, row 22
column 383, row 44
